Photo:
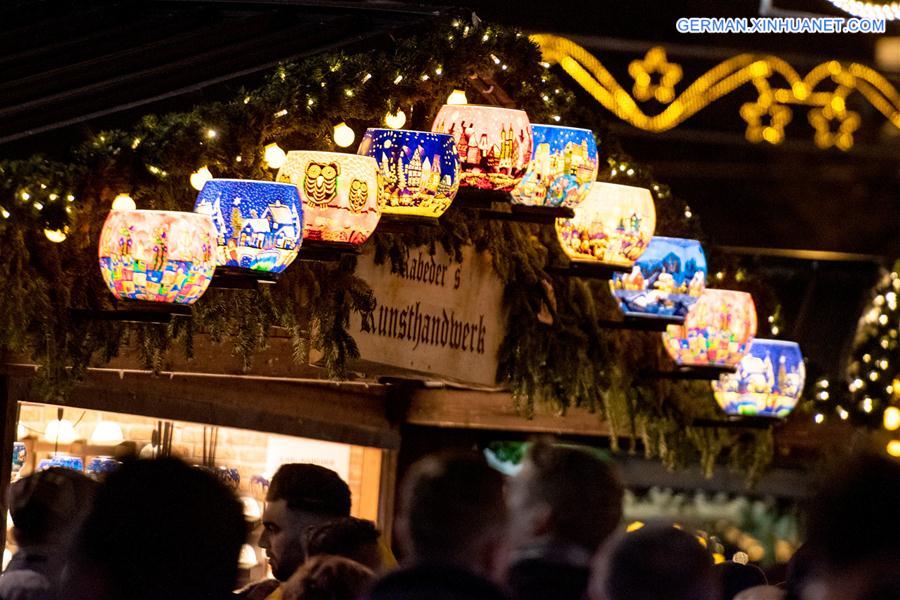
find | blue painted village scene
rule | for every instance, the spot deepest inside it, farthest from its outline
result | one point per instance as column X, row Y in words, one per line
column 768, row 381
column 563, row 166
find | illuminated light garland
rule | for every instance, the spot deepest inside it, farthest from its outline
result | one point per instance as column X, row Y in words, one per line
column 765, row 118
column 889, row 11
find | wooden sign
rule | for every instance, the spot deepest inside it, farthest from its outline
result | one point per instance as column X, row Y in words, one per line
column 439, row 318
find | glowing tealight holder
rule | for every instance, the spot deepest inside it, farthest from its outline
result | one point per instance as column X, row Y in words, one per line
column 665, row 282
column 717, row 331
column 613, row 225
column 493, row 143
column 768, row 381
column 418, row 170
column 157, row 256
column 259, row 224
column 339, row 193
column 562, row 168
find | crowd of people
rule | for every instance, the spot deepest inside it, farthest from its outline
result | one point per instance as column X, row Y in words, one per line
column 162, row 530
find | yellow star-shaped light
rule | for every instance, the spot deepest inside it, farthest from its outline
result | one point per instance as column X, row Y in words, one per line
column 826, row 135
column 642, row 72
column 777, row 115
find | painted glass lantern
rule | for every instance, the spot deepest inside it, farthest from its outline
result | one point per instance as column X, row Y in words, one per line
column 717, row 330
column 665, row 281
column 339, row 193
column 613, row 225
column 259, row 224
column 157, row 255
column 493, row 143
column 563, row 166
column 418, row 171
column 768, row 381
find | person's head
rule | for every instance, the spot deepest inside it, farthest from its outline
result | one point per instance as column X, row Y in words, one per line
column 654, row 563
column 48, row 507
column 356, row 539
column 300, row 496
column 160, row 529
column 452, row 512
column 565, row 494
column 327, row 577
column 736, row 577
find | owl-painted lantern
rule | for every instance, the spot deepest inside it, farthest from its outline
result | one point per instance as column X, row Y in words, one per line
column 157, row 255
column 717, row 330
column 665, row 281
column 768, row 381
column 563, row 166
column 493, row 143
column 418, row 170
column 339, row 193
column 259, row 224
column 613, row 225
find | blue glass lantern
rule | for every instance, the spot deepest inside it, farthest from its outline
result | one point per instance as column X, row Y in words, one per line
column 259, row 224
column 768, row 381
column 665, row 281
column 418, row 171
column 563, row 166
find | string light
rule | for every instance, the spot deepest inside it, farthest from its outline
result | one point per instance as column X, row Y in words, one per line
column 200, row 177
column 123, row 202
column 842, row 413
column 893, row 448
column 25, row 196
column 343, row 135
column 274, row 156
column 395, row 120
column 457, row 97
column 891, row 418
column 39, row 205
column 56, row 235
column 819, row 418
column 212, row 134
column 4, row 212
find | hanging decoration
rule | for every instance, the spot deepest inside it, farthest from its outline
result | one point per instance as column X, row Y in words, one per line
column 494, row 143
column 418, row 170
column 156, row 255
column 768, row 381
column 613, row 225
column 665, row 281
column 339, row 193
column 259, row 224
column 563, row 166
column 717, row 330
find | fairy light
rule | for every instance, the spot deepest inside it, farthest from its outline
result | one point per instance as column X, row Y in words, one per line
column 457, row 97
column 56, row 236
column 366, row 77
column 343, row 135
column 25, row 196
column 274, row 156
column 212, row 134
column 4, row 212
column 893, row 448
column 123, row 202
column 687, row 209
column 819, row 418
column 53, row 197
column 843, row 414
column 891, row 418
column 70, row 198
column 200, row 177
column 39, row 205
column 395, row 120
column 398, row 79
column 281, row 113
column 867, row 405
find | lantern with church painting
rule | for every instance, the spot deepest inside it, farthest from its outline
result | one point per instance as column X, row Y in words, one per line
column 157, row 255
column 339, row 193
column 768, row 381
column 259, row 224
column 562, row 168
column 493, row 143
column 717, row 331
column 665, row 282
column 418, row 170
column 613, row 225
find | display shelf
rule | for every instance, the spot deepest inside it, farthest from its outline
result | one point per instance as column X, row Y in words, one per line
column 469, row 197
column 234, row 278
column 690, row 373
column 135, row 311
column 587, row 269
column 739, row 422
column 326, row 251
column 541, row 215
column 391, row 223
column 648, row 323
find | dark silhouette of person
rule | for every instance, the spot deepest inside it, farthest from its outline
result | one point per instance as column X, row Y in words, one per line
column 563, row 505
column 326, row 577
column 356, row 539
column 737, row 577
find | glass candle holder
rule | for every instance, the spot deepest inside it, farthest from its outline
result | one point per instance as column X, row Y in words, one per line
column 563, row 166
column 259, row 224
column 157, row 255
column 493, row 143
column 666, row 280
column 768, row 381
column 613, row 225
column 418, row 171
column 339, row 193
column 717, row 330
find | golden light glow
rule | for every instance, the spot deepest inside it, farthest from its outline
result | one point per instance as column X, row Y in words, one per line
column 200, row 177
column 274, row 156
column 395, row 120
column 123, row 202
column 56, row 235
column 343, row 135
column 892, row 418
column 889, row 11
column 893, row 448
column 634, row 526
column 765, row 118
column 457, row 97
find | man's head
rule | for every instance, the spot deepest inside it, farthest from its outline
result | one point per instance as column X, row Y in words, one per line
column 48, row 507
column 300, row 496
column 566, row 495
column 655, row 563
column 356, row 539
column 452, row 512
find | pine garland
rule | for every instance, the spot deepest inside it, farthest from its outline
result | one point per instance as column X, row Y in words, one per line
column 570, row 362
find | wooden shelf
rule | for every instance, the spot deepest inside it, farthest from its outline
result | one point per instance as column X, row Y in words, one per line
column 234, row 278
column 135, row 311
